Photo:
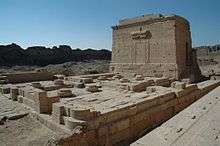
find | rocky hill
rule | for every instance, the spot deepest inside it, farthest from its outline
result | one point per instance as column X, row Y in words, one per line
column 13, row 54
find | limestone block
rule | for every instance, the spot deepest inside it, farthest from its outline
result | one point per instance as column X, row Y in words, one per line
column 137, row 128
column 72, row 123
column 86, row 80
column 141, row 116
column 41, row 97
column 116, row 127
column 92, row 88
column 5, row 90
column 147, row 104
column 124, row 80
column 189, row 88
column 162, row 82
column 117, row 114
column 79, row 85
column 60, row 76
column 151, row 89
column 83, row 114
column 166, row 97
column 65, row 93
column 57, row 113
column 36, row 84
column 178, row 85
column 59, row 82
column 103, row 130
column 139, row 77
column 14, row 93
column 117, row 77
column 119, row 136
column 20, row 99
column 139, row 86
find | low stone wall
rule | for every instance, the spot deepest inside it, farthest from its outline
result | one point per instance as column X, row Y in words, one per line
column 28, row 77
column 126, row 124
column 198, row 124
column 37, row 100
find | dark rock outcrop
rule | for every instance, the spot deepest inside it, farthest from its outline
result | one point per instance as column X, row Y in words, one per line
column 11, row 55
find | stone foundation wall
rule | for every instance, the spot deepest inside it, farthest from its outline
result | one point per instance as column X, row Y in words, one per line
column 122, row 126
column 150, row 69
column 28, row 77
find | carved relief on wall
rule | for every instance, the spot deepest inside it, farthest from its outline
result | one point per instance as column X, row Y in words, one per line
column 142, row 34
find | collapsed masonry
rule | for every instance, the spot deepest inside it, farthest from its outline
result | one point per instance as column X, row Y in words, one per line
column 154, row 45
column 112, row 108
column 105, row 109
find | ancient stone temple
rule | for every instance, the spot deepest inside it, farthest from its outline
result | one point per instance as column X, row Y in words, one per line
column 153, row 45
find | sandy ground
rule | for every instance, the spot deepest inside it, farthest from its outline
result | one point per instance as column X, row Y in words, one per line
column 68, row 68
column 23, row 131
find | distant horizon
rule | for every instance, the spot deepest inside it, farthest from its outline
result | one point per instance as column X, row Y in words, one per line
column 82, row 48
column 87, row 24
column 54, row 46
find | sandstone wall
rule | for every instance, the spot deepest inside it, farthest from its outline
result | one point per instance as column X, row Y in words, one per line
column 152, row 46
column 122, row 126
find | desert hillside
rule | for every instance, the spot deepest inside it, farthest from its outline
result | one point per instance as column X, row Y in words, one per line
column 11, row 55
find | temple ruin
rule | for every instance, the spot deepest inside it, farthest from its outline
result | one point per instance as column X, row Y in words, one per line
column 153, row 45
column 151, row 54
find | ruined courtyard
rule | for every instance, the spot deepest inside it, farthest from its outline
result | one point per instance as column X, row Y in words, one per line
column 153, row 76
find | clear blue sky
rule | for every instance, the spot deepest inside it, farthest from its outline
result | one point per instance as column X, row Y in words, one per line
column 87, row 23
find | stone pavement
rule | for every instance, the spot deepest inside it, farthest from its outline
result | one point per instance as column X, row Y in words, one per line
column 197, row 125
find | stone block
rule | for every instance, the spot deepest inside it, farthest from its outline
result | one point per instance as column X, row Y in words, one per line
column 72, row 123
column 58, row 113
column 119, row 126
column 92, row 88
column 14, row 93
column 83, row 114
column 139, row 77
column 36, row 84
column 139, row 86
column 124, row 80
column 86, row 80
column 79, row 85
column 189, row 88
column 65, row 93
column 59, row 82
column 178, row 85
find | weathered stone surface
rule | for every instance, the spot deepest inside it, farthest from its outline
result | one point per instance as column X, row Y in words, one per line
column 79, row 85
column 139, row 86
column 196, row 125
column 138, row 41
column 178, row 85
column 92, row 88
column 124, row 80
column 59, row 82
column 65, row 93
column 36, row 85
column 14, row 93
